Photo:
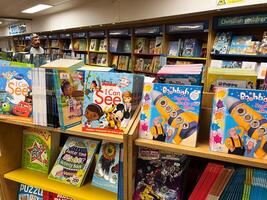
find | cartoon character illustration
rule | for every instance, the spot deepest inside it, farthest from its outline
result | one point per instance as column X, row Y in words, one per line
column 93, row 113
column 235, row 143
column 251, row 145
column 22, row 109
column 157, row 130
column 149, row 194
column 127, row 100
column 124, row 82
column 6, row 107
column 251, row 121
column 185, row 122
column 120, row 115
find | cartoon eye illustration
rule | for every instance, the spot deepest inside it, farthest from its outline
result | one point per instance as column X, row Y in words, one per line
column 173, row 114
column 241, row 111
column 163, row 103
column 179, row 120
column 185, row 125
column 248, row 117
column 168, row 109
column 255, row 124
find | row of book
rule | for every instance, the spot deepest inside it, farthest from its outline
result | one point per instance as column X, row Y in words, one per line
column 149, row 65
column 98, row 59
column 98, row 45
column 122, row 62
column 188, row 48
column 79, row 45
column 27, row 192
column 159, row 175
column 145, row 45
column 227, row 43
column 40, row 153
column 219, row 182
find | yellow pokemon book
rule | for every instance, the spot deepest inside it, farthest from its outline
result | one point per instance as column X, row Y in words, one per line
column 170, row 113
column 239, row 122
column 232, row 78
column 74, row 161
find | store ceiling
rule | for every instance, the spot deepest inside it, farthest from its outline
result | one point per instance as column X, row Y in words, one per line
column 11, row 9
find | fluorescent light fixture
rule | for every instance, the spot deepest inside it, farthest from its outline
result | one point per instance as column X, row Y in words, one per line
column 1, row 22
column 37, row 8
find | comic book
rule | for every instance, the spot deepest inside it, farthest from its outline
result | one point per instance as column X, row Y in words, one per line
column 39, row 149
column 238, row 124
column 110, row 100
column 170, row 113
column 106, row 175
column 27, row 192
column 74, row 161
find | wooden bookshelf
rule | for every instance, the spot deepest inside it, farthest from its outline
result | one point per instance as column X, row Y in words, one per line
column 187, row 58
column 40, row 180
column 98, row 52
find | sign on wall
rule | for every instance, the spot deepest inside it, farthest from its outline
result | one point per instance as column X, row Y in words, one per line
column 228, row 2
column 16, row 29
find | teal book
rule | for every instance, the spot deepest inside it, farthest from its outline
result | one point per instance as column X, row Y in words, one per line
column 74, row 161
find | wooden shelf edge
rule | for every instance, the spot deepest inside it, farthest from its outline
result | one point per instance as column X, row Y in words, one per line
column 202, row 150
column 76, row 131
column 186, row 58
column 41, row 181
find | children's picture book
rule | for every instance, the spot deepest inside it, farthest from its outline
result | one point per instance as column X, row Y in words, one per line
column 127, row 47
column 74, row 161
column 27, row 192
column 16, row 92
column 54, row 196
column 113, row 44
column 192, row 48
column 158, row 45
column 39, row 149
column 252, row 48
column 83, row 45
column 106, row 175
column 139, row 65
column 103, row 45
column 159, row 175
column 152, row 44
column 94, row 45
column 123, row 62
column 115, row 59
column 141, row 45
column 170, row 113
column 173, row 48
column 69, row 93
column 238, row 124
column 262, row 69
column 239, row 44
column 108, row 100
column 221, row 43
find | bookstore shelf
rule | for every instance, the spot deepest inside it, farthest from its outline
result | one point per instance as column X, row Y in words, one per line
column 80, row 51
column 202, row 150
column 257, row 58
column 98, row 52
column 97, row 65
column 76, row 130
column 147, row 54
column 40, row 180
column 187, row 58
column 54, row 47
column 66, row 49
column 121, row 53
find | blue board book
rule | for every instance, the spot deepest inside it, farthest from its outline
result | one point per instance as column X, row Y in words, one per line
column 110, row 99
column 239, row 124
column 170, row 113
column 16, row 92
column 106, row 175
column 27, row 192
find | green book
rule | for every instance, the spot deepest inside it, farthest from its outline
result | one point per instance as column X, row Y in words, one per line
column 39, row 149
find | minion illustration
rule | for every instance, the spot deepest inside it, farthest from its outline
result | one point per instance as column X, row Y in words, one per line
column 253, row 123
column 185, row 123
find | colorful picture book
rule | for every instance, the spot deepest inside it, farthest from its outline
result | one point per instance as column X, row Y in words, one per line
column 192, row 48
column 170, row 113
column 103, row 45
column 94, row 45
column 39, row 149
column 221, row 43
column 106, row 175
column 27, row 192
column 54, row 196
column 159, row 175
column 123, row 62
column 232, row 78
column 239, row 44
column 230, row 64
column 108, row 100
column 238, row 122
column 113, row 44
column 74, row 161
column 16, row 92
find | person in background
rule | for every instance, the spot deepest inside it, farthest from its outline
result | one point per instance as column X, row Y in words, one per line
column 35, row 47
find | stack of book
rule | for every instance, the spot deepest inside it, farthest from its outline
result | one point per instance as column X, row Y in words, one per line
column 181, row 74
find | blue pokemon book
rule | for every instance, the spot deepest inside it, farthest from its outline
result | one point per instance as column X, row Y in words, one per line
column 239, row 122
column 106, row 173
column 27, row 192
column 170, row 113
column 16, row 93
column 110, row 99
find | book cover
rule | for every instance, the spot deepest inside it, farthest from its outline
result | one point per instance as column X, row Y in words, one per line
column 221, row 43
column 148, row 66
column 123, row 62
column 238, row 124
column 93, row 58
column 127, row 46
column 39, row 148
column 139, row 64
column 141, row 45
column 173, row 48
column 114, row 63
column 103, row 45
column 27, row 192
column 170, row 113
column 152, row 44
column 192, row 48
column 106, row 175
column 263, row 45
column 113, row 44
column 76, row 45
column 16, row 93
column 239, row 44
column 69, row 94
column 54, row 196
column 252, row 48
column 158, row 45
column 231, row 64
column 108, row 100
column 94, row 45
column 83, row 45
column 104, row 60
column 74, row 161
column 99, row 59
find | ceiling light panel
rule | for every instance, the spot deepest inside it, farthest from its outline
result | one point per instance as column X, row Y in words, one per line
column 37, row 8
